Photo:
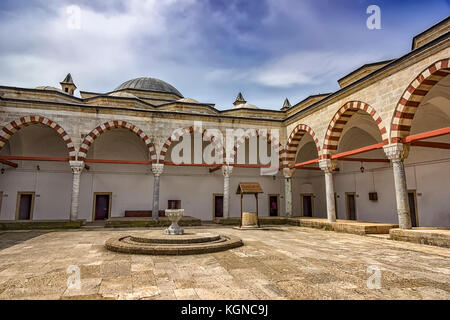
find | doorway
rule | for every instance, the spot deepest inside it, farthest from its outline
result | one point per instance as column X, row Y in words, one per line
column 102, row 205
column 335, row 205
column 351, row 205
column 307, row 205
column 217, row 206
column 274, row 205
column 25, row 206
column 412, row 199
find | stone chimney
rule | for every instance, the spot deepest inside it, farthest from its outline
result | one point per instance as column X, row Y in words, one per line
column 286, row 105
column 67, row 85
column 239, row 100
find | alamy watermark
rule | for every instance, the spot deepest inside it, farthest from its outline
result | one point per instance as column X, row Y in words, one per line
column 374, row 280
column 73, row 13
column 263, row 147
column 374, row 20
column 74, row 280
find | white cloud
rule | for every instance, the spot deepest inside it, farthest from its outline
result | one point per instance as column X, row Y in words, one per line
column 207, row 51
column 109, row 46
column 297, row 69
column 309, row 67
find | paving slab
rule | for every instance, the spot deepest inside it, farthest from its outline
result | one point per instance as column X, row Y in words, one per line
column 288, row 263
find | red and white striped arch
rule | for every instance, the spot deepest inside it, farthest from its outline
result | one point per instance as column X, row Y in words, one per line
column 14, row 126
column 341, row 118
column 294, row 140
column 254, row 133
column 94, row 134
column 413, row 95
column 182, row 131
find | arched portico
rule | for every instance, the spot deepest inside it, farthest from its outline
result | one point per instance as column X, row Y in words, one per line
column 14, row 126
column 32, row 140
column 95, row 133
column 289, row 157
column 177, row 134
column 251, row 134
column 410, row 124
column 413, row 95
column 340, row 119
column 294, row 140
column 332, row 139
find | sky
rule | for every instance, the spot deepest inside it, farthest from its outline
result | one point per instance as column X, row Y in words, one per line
column 208, row 49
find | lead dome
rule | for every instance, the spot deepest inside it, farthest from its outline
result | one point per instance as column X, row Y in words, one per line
column 149, row 84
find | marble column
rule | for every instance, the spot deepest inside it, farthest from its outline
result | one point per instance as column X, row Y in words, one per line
column 287, row 173
column 397, row 152
column 77, row 167
column 157, row 169
column 226, row 171
column 328, row 166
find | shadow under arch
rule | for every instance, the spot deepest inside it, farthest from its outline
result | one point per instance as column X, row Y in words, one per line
column 94, row 134
column 10, row 129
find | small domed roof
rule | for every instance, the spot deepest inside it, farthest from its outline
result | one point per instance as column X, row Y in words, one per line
column 245, row 105
column 48, row 88
column 188, row 100
column 122, row 94
column 149, row 84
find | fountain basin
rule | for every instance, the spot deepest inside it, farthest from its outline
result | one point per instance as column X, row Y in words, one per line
column 154, row 243
column 174, row 216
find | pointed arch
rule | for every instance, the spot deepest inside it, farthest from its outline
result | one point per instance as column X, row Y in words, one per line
column 412, row 97
column 255, row 133
column 218, row 145
column 8, row 131
column 94, row 134
column 340, row 119
column 294, row 140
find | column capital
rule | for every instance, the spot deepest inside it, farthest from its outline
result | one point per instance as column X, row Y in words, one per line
column 396, row 151
column 288, row 172
column 327, row 165
column 227, row 171
column 157, row 169
column 76, row 166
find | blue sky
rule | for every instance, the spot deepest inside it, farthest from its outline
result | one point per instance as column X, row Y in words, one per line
column 208, row 49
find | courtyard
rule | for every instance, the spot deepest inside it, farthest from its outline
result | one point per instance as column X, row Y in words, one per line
column 283, row 262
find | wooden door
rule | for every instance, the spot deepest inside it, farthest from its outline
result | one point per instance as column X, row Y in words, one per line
column 101, row 206
column 218, row 206
column 335, row 205
column 25, row 206
column 307, row 206
column 351, row 206
column 413, row 208
column 273, row 206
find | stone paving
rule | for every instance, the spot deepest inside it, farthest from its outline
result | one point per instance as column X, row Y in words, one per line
column 285, row 262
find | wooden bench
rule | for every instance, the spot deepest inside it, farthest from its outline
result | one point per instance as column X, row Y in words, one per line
column 142, row 213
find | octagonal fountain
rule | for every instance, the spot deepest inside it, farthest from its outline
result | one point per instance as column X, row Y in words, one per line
column 173, row 241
